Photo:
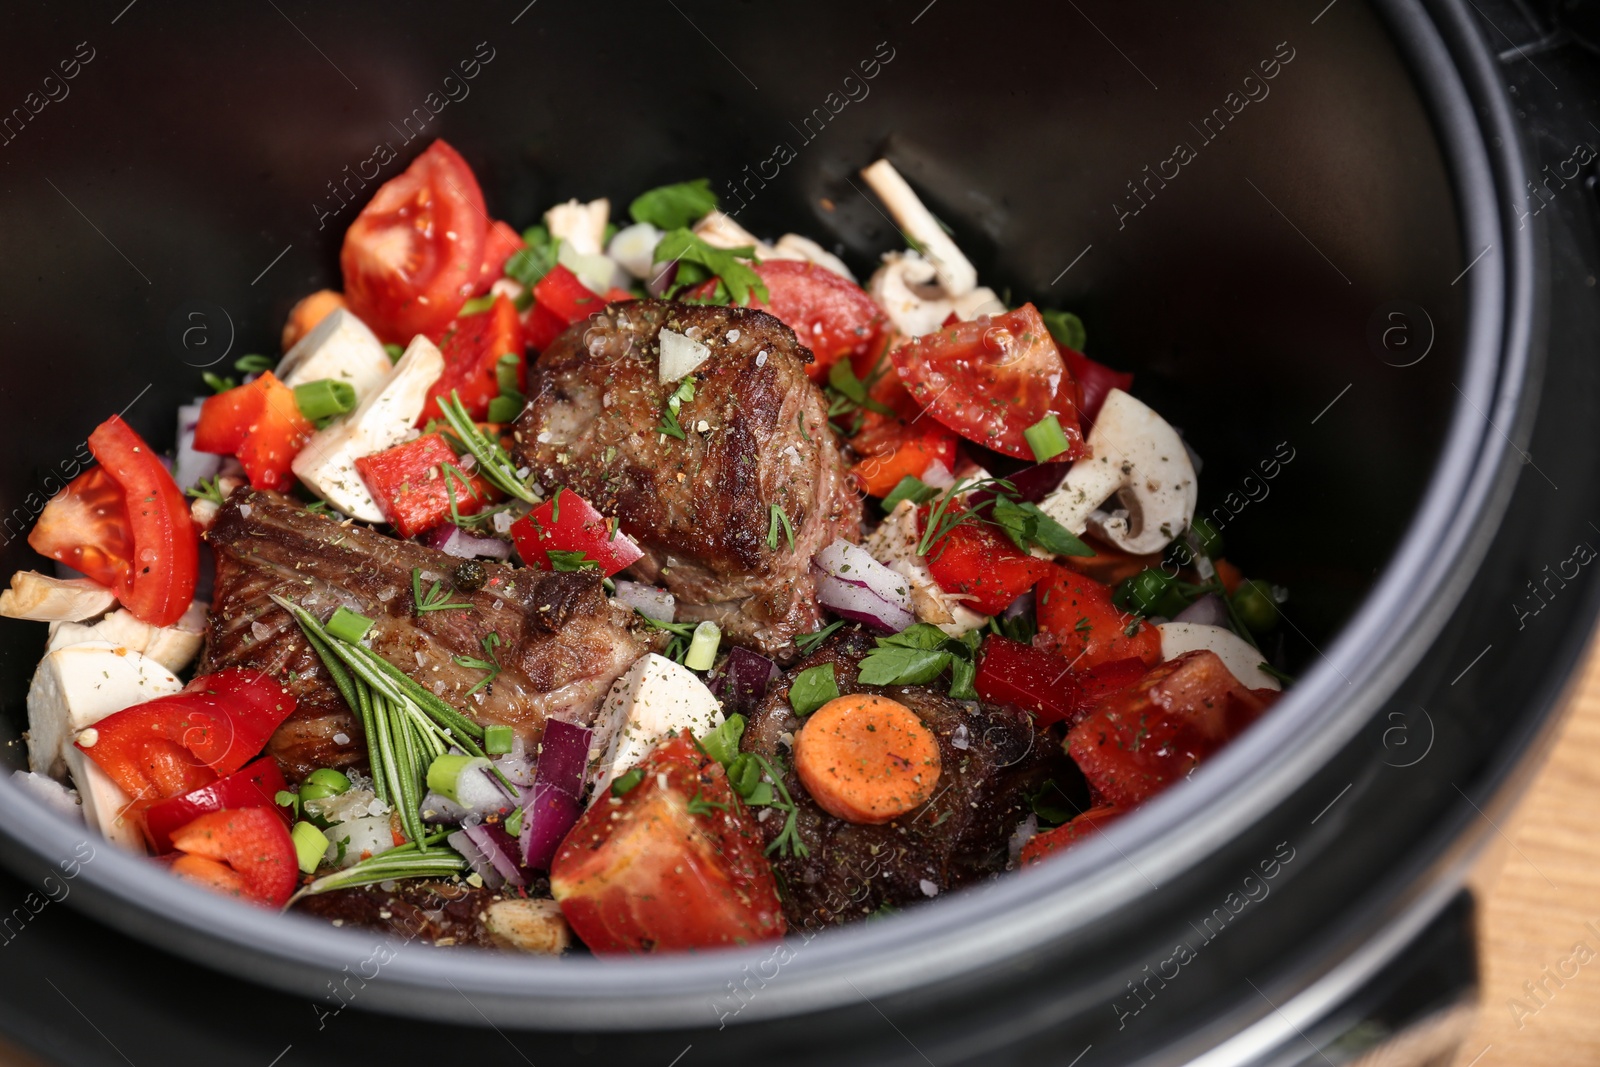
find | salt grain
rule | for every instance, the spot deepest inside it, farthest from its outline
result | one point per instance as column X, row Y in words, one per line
column 733, row 335
column 341, row 739
column 761, row 358
column 928, row 888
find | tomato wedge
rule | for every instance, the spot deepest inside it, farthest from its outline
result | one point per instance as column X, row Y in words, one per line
column 992, row 378
column 255, row 786
column 415, row 253
column 174, row 745
column 566, row 532
column 1145, row 738
column 1060, row 838
column 499, row 243
column 86, row 527
column 1077, row 620
column 126, row 525
column 245, row 853
column 472, row 351
column 974, row 559
column 643, row 872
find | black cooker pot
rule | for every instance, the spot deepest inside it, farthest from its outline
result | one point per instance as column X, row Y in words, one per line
column 1310, row 232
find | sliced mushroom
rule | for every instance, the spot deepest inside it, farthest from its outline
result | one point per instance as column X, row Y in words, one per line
column 894, row 544
column 580, row 226
column 907, row 290
column 1236, row 654
column 45, row 599
column 957, row 276
column 720, row 231
column 1138, row 462
column 792, row 245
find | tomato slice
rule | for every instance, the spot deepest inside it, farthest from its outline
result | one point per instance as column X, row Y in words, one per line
column 1078, row 621
column 472, row 351
column 568, row 524
column 1145, row 738
column 174, row 745
column 261, row 424
column 415, row 253
column 1060, row 838
column 569, row 299
column 1010, row 672
column 499, row 243
column 991, row 378
column 86, row 527
column 255, row 786
column 253, row 844
column 409, row 483
column 642, row 872
column 974, row 559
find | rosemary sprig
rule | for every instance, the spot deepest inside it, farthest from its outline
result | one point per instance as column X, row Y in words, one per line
column 682, row 633
column 413, row 860
column 493, row 462
column 435, row 600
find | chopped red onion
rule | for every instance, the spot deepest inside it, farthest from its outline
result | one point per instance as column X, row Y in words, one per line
column 858, row 587
column 477, row 858
column 1209, row 610
column 500, row 848
column 563, row 756
column 452, row 540
column 440, row 810
column 647, row 600
column 1023, row 605
column 742, row 680
column 547, row 818
column 661, row 278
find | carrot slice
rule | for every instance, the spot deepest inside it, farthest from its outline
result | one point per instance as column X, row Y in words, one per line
column 305, row 315
column 866, row 759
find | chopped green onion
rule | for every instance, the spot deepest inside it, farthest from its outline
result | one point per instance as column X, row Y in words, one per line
column 444, row 773
column 497, row 740
column 703, row 646
column 217, row 382
column 310, row 845
column 513, row 823
column 624, row 784
column 505, row 409
column 324, row 398
column 412, row 860
column 812, row 688
column 253, row 364
column 505, row 373
column 394, row 351
column 477, row 305
column 909, row 488
column 1046, row 438
column 322, row 783
column 347, row 625
column 722, row 744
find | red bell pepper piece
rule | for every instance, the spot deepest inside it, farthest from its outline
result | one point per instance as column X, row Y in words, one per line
column 472, row 351
column 255, row 786
column 541, row 327
column 1094, row 380
column 1010, row 672
column 1060, row 838
column 246, row 853
column 561, row 292
column 909, row 456
column 261, row 424
column 499, row 243
column 653, row 871
column 567, row 523
column 411, row 485
column 174, row 745
column 974, row 559
column 1077, row 620
column 1145, row 738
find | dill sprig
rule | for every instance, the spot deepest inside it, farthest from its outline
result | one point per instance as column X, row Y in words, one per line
column 435, row 600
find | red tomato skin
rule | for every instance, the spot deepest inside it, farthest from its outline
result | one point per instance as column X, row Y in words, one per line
column 1154, row 733
column 640, row 873
column 472, row 351
column 991, row 378
column 261, row 424
column 575, row 527
column 500, row 242
column 830, row 314
column 255, row 785
column 409, row 483
column 433, row 216
column 1010, row 672
column 86, row 527
column 175, row 744
column 561, row 292
column 1078, row 621
column 1059, row 839
column 165, row 562
column 541, row 327
column 1094, row 380
column 252, row 842
column 973, row 559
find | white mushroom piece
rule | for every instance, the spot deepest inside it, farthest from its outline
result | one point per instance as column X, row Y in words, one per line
column 1236, row 654
column 721, row 231
column 1139, row 466
column 918, row 291
column 580, row 226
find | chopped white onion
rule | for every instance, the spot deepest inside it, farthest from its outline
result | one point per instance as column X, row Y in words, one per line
column 191, row 466
column 938, row 475
column 647, row 600
column 680, row 355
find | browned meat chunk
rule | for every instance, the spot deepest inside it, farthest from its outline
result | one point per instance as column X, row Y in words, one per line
column 450, row 913
column 755, row 439
column 992, row 758
column 562, row 643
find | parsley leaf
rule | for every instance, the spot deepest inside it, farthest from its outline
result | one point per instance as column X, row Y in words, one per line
column 812, row 688
column 918, row 655
column 903, row 666
column 1066, row 328
column 1027, row 525
column 669, row 411
column 529, row 265
column 683, row 246
column 672, row 207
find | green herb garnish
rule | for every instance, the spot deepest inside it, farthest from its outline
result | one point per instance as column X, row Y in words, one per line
column 807, row 642
column 528, row 265
column 698, row 261
column 490, row 642
column 812, row 688
column 206, row 489
column 778, row 518
column 672, row 207
column 1066, row 328
column 435, row 600
column 699, row 805
column 493, row 462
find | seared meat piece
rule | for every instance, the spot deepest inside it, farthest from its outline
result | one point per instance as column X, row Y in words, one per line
column 992, row 758
column 562, row 643
column 449, row 913
column 756, row 438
